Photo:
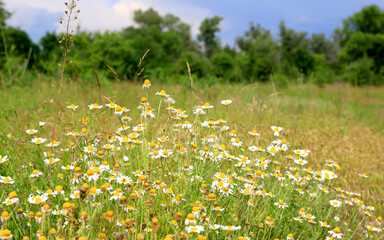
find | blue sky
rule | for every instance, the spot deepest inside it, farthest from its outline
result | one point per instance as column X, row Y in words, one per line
column 37, row 17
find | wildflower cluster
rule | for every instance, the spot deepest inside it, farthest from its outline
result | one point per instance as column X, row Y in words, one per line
column 171, row 173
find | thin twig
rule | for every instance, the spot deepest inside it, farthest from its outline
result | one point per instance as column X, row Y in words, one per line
column 191, row 79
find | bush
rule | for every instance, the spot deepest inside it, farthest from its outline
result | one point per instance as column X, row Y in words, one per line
column 360, row 72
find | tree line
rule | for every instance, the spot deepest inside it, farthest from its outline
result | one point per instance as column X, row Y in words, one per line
column 353, row 53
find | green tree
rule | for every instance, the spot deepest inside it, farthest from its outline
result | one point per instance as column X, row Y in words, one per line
column 223, row 65
column 50, row 52
column 15, row 42
column 208, row 29
column 362, row 36
column 295, row 51
column 4, row 15
column 290, row 39
column 173, row 23
column 319, row 44
column 369, row 20
column 148, row 18
column 261, row 52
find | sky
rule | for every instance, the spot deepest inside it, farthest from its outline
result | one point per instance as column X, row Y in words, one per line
column 36, row 17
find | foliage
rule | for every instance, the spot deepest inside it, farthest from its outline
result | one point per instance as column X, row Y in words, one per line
column 261, row 52
column 254, row 57
column 362, row 37
column 360, row 72
column 208, row 29
column 4, row 14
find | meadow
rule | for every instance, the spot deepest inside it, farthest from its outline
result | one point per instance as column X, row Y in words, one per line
column 235, row 161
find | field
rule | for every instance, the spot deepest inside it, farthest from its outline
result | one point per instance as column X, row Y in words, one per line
column 342, row 126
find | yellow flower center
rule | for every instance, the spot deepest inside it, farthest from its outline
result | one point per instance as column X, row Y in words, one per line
column 90, row 172
column 38, row 200
column 6, row 233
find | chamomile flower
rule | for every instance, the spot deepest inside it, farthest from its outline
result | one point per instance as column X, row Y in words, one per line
column 95, row 106
column 207, row 106
column 162, row 93
column 75, row 194
column 215, row 227
column 155, row 154
column 298, row 218
column 31, row 131
column 335, row 233
column 38, row 140
column 194, row 229
column 6, row 180
column 163, row 139
column 72, row 107
column 253, row 148
column 169, row 100
column 54, row 143
column 90, row 150
column 363, row 175
column 300, row 161
column 92, row 175
column 230, row 228
column 118, row 110
column 11, row 201
column 236, row 142
column 276, row 130
column 3, row 159
column 51, row 160
column 335, row 203
column 226, row 102
column 178, row 199
column 37, row 199
column 111, row 105
column 290, row 236
column 187, row 167
column 165, row 153
column 146, row 84
column 254, row 133
column 126, row 119
column 198, row 110
column 123, row 180
column 324, row 224
column 35, row 173
column 281, row 204
column 273, row 149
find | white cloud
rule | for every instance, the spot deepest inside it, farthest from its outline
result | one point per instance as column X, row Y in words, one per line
column 49, row 5
column 189, row 13
column 100, row 15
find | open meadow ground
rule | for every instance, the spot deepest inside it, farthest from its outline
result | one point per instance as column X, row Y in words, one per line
column 170, row 179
